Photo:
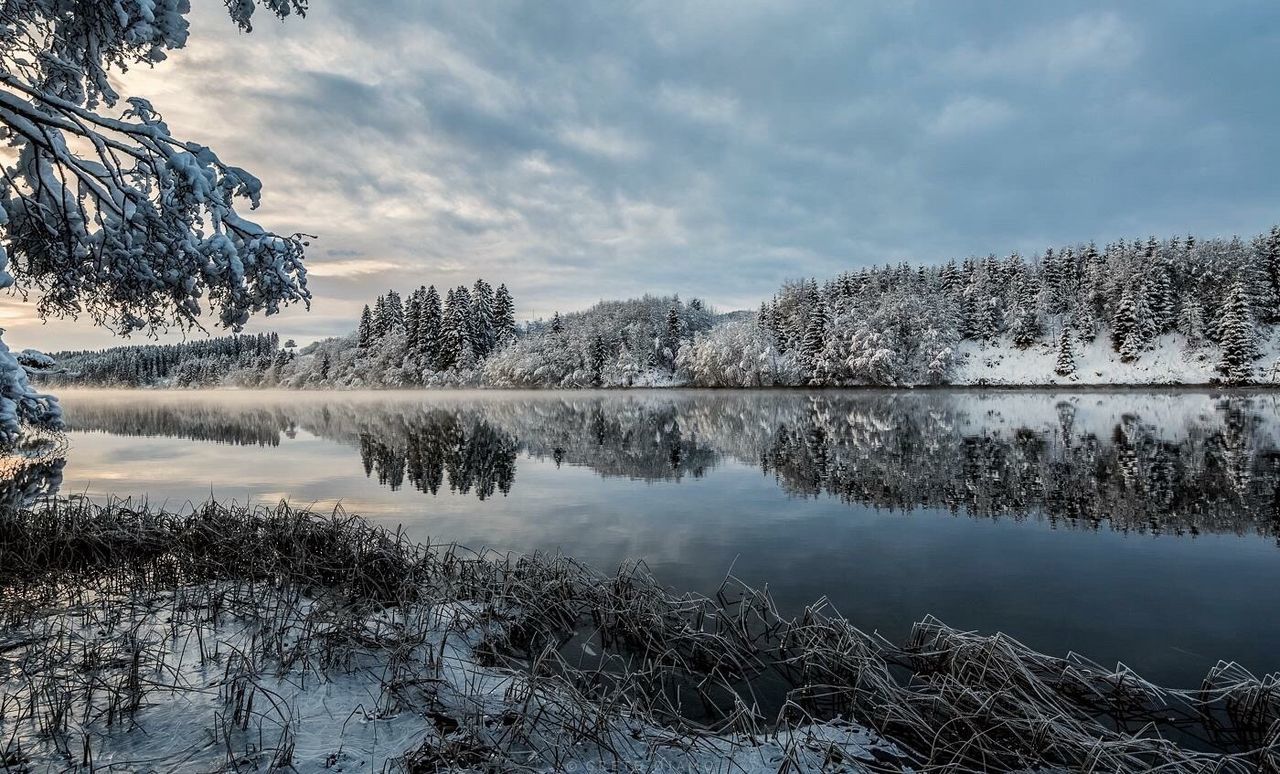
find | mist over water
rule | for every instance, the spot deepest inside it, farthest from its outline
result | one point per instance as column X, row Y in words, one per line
column 1129, row 526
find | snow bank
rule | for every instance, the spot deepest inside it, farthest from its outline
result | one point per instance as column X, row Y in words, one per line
column 1168, row 361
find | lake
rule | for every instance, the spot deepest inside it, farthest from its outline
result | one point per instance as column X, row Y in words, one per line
column 1135, row 527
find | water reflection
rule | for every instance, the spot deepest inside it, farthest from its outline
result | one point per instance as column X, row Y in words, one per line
column 1133, row 526
column 1179, row 463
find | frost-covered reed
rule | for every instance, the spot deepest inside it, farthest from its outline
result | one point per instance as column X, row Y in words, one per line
column 262, row 638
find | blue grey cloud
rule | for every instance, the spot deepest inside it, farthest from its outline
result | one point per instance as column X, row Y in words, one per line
column 586, row 150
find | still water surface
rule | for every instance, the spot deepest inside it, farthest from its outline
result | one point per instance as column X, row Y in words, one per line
column 1129, row 526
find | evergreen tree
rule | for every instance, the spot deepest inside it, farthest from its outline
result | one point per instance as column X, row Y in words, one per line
column 1131, row 349
column 413, row 325
column 1158, row 290
column 1026, row 328
column 598, row 358
column 504, row 317
column 673, row 331
column 1191, row 322
column 1239, row 340
column 430, row 319
column 364, row 333
column 483, row 328
column 815, row 340
column 1146, row 323
column 1066, row 363
column 454, row 333
column 381, row 320
column 394, row 312
column 1124, row 323
column 1271, row 263
column 556, row 325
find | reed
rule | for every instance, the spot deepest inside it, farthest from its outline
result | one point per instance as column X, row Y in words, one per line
column 288, row 638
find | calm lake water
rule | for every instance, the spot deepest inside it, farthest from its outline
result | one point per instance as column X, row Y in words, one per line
column 1128, row 526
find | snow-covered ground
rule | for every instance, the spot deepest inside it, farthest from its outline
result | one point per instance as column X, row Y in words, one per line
column 1168, row 361
column 206, row 700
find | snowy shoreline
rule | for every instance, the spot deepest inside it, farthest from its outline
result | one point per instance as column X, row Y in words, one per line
column 275, row 638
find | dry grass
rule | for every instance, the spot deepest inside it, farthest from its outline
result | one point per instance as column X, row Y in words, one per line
column 107, row 609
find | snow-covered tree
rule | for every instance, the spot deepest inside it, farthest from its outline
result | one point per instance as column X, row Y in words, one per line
column 430, row 320
column 104, row 211
column 364, row 332
column 1238, row 337
column 1270, row 254
column 1124, row 324
column 813, row 343
column 1026, row 325
column 672, row 334
column 1066, row 362
column 1191, row 322
column 597, row 360
column 737, row 354
column 483, row 328
column 504, row 316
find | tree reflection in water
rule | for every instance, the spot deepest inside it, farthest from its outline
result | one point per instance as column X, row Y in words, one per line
column 1176, row 463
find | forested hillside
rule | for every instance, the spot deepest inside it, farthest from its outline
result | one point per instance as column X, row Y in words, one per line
column 1179, row 310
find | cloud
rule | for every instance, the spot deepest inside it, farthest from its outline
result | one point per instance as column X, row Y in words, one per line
column 352, row 267
column 1091, row 41
column 966, row 114
column 579, row 153
column 602, row 141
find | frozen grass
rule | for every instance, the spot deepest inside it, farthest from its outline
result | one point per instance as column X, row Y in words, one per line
column 230, row 638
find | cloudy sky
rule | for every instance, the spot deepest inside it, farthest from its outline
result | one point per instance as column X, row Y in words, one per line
column 587, row 150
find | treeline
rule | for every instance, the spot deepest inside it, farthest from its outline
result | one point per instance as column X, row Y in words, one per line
column 613, row 344
column 907, row 325
column 188, row 363
column 1173, row 310
column 424, row 341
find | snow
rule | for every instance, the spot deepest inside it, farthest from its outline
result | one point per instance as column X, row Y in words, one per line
column 344, row 717
column 1168, row 362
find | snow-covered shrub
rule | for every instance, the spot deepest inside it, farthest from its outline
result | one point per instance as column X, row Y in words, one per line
column 736, row 354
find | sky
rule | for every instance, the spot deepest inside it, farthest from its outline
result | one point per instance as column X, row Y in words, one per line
column 586, row 150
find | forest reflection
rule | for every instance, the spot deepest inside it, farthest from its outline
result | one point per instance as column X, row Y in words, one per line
column 1177, row 463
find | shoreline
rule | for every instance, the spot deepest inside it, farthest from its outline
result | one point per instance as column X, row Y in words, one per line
column 258, row 635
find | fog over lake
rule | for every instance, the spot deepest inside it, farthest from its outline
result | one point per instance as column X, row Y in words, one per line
column 1129, row 526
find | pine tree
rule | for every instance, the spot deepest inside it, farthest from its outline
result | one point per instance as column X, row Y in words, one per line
column 556, row 325
column 364, row 333
column 598, row 357
column 413, row 325
column 1239, row 340
column 1158, row 291
column 430, row 318
column 1146, row 324
column 1066, row 364
column 1271, row 264
column 674, row 328
column 455, row 334
column 483, row 335
column 815, row 340
column 1026, row 328
column 1131, row 349
column 381, row 320
column 1124, row 323
column 504, row 317
column 1191, row 322
column 394, row 311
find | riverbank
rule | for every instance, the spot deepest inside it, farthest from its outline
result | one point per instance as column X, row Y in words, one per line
column 230, row 637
